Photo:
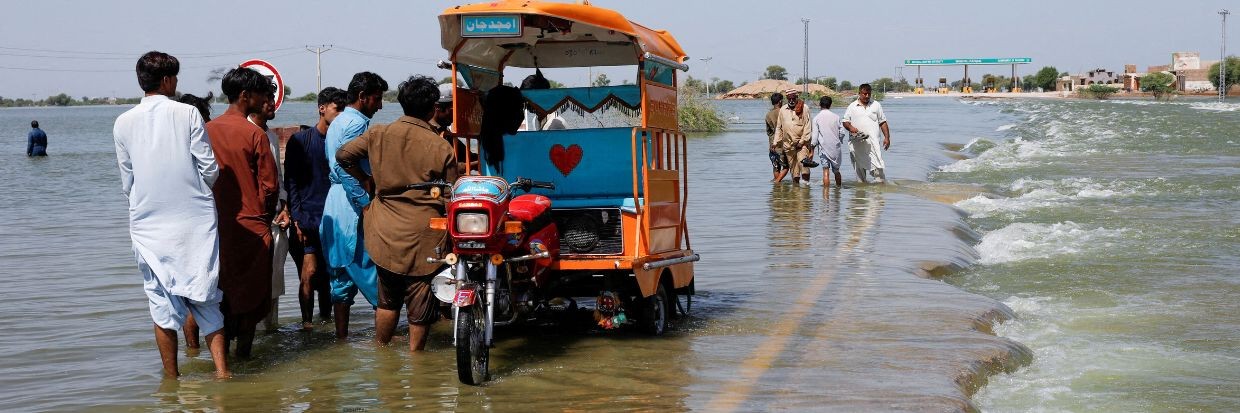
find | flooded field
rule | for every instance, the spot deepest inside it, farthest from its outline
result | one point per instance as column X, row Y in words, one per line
column 860, row 299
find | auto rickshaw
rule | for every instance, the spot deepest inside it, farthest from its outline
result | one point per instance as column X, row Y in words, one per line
column 603, row 214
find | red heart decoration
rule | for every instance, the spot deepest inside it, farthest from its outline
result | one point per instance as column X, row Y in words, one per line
column 565, row 159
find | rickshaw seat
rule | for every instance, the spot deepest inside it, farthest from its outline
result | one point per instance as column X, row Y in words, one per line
column 589, row 167
column 625, row 204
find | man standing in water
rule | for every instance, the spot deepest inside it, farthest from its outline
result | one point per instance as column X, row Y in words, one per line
column 279, row 226
column 36, row 140
column 246, row 197
column 350, row 267
column 864, row 118
column 397, row 225
column 305, row 179
column 167, row 171
column 779, row 164
column 828, row 137
column 793, row 135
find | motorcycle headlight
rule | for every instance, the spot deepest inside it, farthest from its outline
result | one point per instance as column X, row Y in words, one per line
column 472, row 223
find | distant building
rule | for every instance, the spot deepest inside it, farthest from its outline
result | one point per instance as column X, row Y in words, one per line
column 1092, row 77
column 1191, row 74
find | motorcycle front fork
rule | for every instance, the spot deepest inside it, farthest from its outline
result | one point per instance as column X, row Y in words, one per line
column 462, row 276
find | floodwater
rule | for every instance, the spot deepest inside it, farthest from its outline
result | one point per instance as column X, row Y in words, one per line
column 1111, row 258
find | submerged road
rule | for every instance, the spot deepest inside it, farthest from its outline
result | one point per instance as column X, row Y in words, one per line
column 804, row 303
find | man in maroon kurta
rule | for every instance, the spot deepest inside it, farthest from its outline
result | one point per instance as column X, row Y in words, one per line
column 245, row 196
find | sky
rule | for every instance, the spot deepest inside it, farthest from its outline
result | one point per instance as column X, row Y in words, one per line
column 88, row 48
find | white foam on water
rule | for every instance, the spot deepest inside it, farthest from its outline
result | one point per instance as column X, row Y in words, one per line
column 1075, row 347
column 1005, row 127
column 1024, row 241
column 1215, row 106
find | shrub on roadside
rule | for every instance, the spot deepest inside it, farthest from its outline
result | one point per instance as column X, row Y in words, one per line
column 1098, row 91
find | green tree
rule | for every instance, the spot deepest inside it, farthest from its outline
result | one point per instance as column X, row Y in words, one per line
column 722, row 86
column 886, row 84
column 59, row 100
column 309, row 97
column 445, row 80
column 1161, row 84
column 601, row 80
column 846, row 85
column 776, row 72
column 556, row 85
column 829, row 82
column 1233, row 72
column 1029, row 82
column 288, row 91
column 695, row 84
column 1045, row 78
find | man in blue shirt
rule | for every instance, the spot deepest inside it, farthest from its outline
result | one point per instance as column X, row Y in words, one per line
column 36, row 141
column 350, row 267
column 306, row 181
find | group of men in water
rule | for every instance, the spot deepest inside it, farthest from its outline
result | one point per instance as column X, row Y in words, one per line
column 210, row 200
column 793, row 137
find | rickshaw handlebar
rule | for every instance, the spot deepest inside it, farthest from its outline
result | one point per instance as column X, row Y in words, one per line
column 428, row 185
column 526, row 184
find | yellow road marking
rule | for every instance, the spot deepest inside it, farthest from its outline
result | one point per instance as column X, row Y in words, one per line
column 763, row 357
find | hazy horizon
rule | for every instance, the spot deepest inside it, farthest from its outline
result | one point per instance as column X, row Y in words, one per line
column 92, row 51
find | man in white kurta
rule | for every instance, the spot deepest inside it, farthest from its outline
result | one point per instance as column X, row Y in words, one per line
column 167, row 170
column 864, row 119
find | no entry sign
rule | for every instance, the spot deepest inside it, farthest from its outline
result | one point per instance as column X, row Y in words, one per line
column 266, row 69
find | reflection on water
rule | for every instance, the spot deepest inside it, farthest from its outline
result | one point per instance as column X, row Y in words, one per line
column 804, row 303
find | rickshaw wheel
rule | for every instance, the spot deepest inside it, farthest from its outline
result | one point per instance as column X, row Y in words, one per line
column 654, row 313
column 472, row 354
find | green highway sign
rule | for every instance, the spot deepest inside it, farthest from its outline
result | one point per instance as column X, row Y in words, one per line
column 982, row 61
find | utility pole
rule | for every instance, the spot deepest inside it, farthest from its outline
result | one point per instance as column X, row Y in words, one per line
column 1222, row 62
column 707, row 60
column 318, row 64
column 805, row 60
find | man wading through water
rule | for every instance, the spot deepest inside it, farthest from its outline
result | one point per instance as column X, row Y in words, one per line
column 864, row 118
column 793, row 135
column 779, row 163
column 167, row 171
column 246, row 197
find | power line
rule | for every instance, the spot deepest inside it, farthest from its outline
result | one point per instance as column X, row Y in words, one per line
column 387, row 56
column 131, row 54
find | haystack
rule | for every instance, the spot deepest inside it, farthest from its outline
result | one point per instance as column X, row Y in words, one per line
column 766, row 87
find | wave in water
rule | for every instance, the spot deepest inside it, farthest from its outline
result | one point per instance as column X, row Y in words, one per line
column 1215, row 106
column 1024, row 241
column 1036, row 194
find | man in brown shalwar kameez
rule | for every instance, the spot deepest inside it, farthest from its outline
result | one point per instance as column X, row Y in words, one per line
column 245, row 195
column 397, row 221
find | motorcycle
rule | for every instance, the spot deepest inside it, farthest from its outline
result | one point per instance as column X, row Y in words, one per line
column 502, row 246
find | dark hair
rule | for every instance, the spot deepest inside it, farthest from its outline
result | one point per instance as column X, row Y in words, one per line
column 502, row 112
column 417, row 96
column 34, row 123
column 777, row 98
column 824, row 102
column 153, row 67
column 535, row 81
column 366, row 83
column 243, row 79
column 332, row 94
column 866, row 87
column 203, row 104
